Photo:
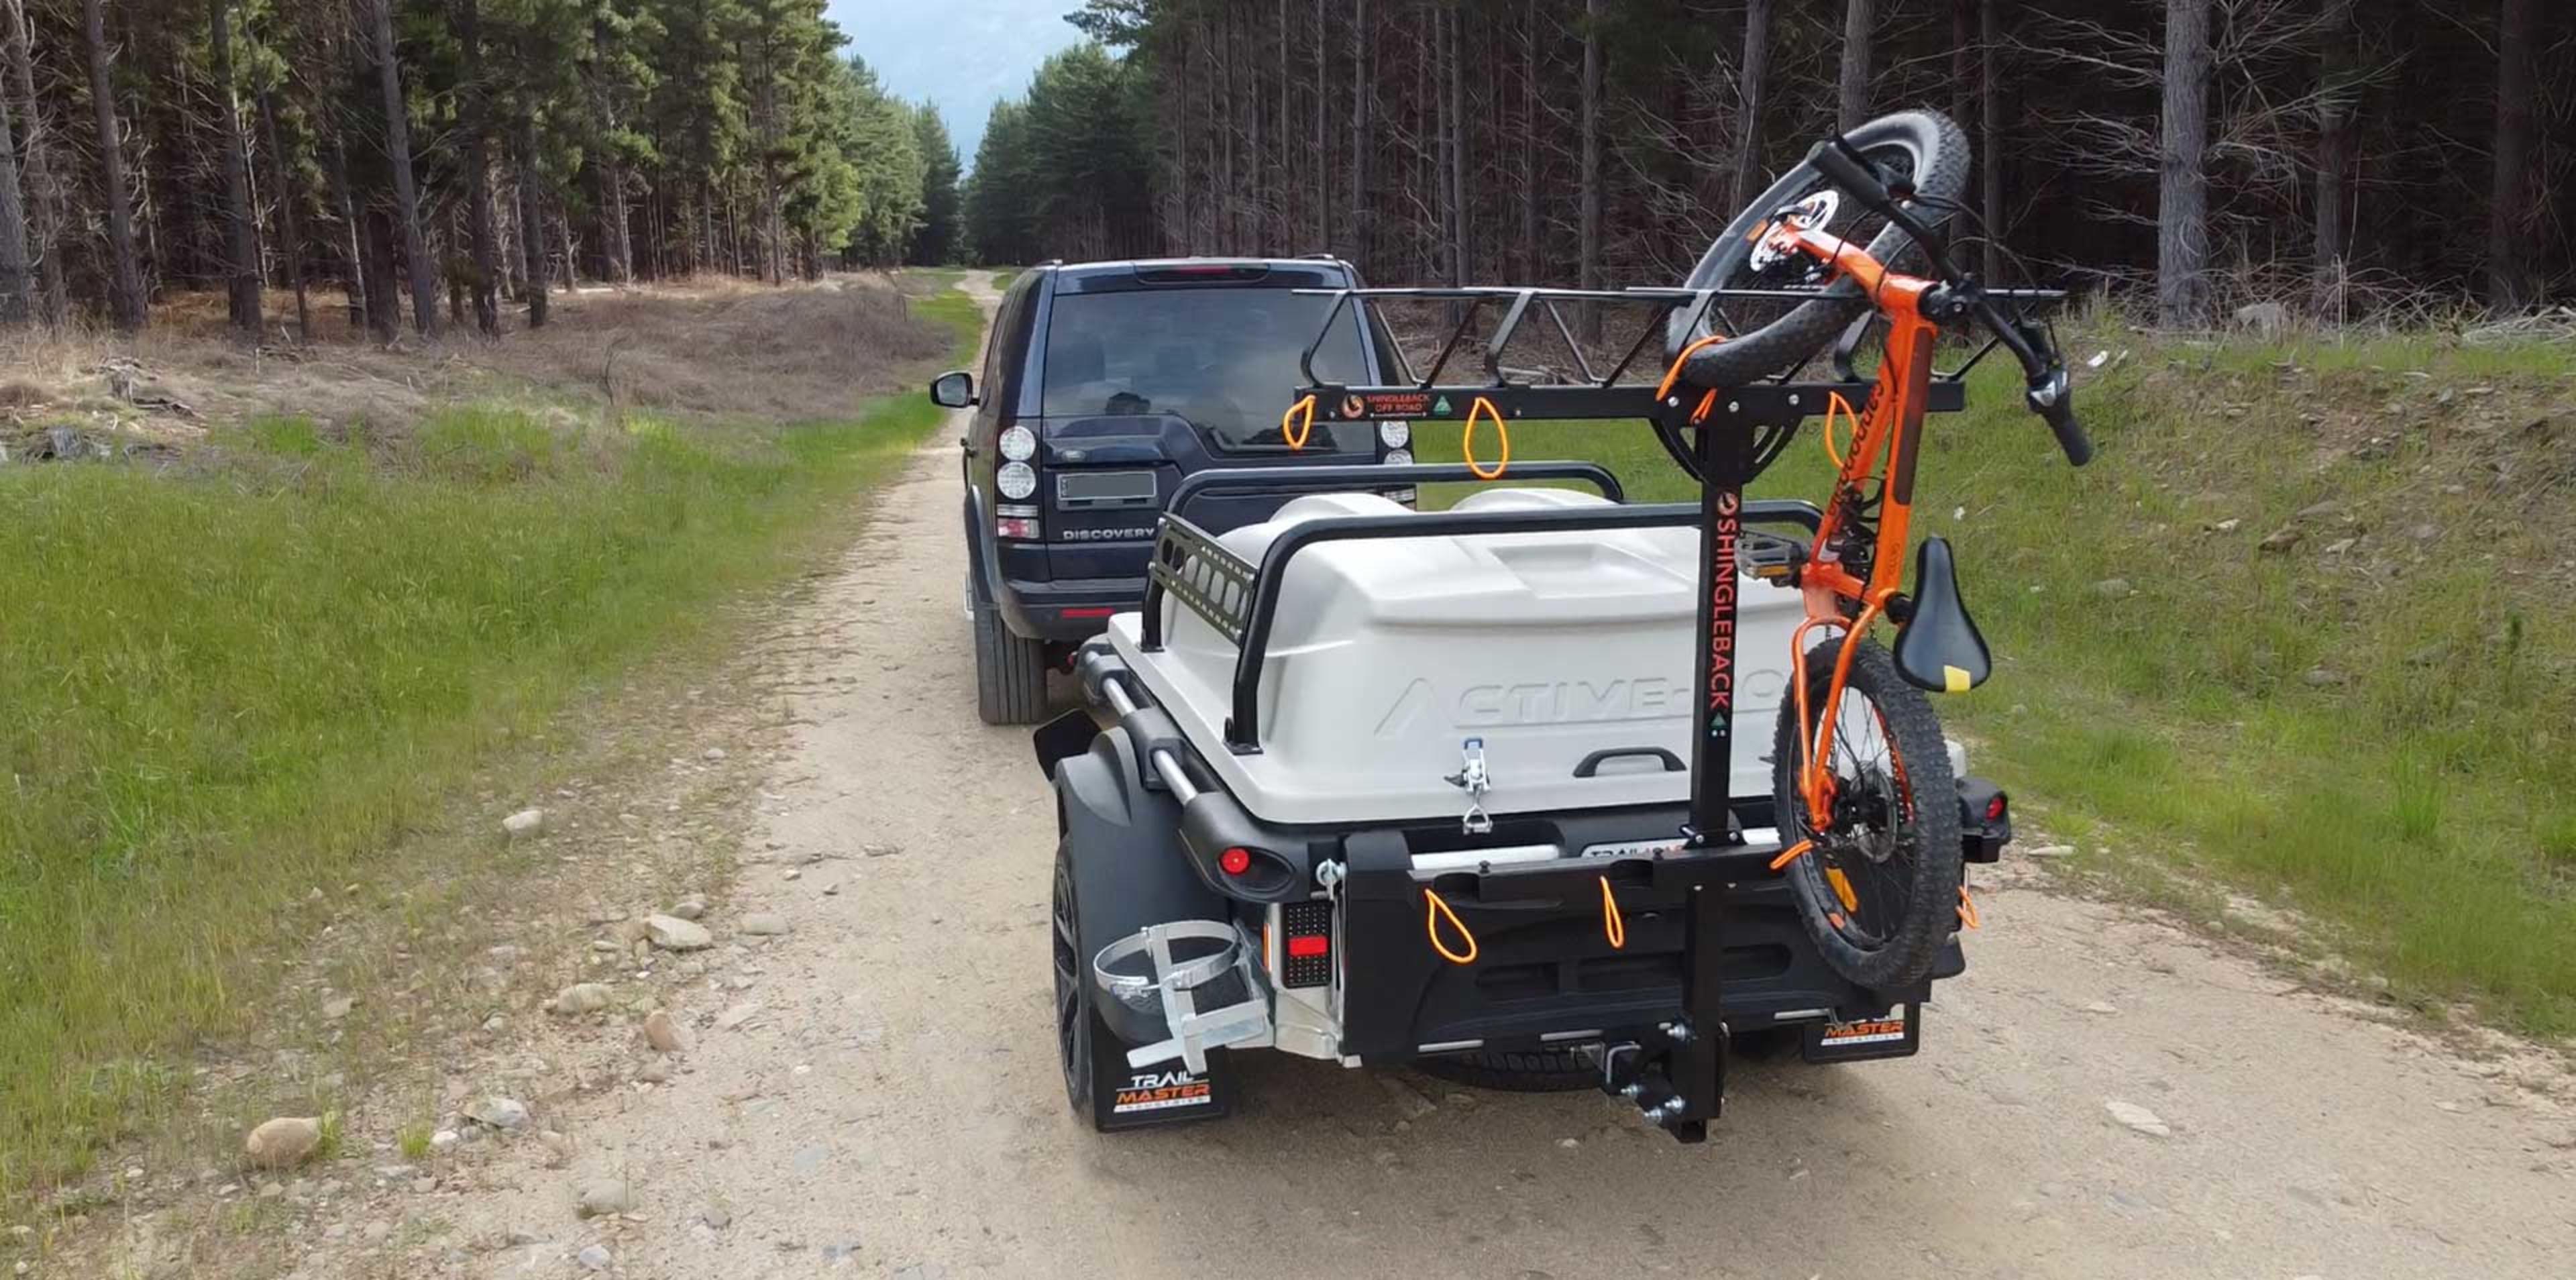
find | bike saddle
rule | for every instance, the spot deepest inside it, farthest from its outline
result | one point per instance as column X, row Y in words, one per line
column 1939, row 648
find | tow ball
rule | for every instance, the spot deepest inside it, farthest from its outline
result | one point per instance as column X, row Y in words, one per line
column 1675, row 1072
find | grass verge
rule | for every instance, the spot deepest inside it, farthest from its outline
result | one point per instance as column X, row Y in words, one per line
column 2304, row 625
column 233, row 683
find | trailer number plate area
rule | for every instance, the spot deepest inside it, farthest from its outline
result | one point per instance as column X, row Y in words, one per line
column 1895, row 1034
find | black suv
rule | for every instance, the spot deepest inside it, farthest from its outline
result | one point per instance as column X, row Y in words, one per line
column 1103, row 385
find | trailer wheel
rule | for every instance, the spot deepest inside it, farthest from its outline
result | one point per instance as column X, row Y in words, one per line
column 1073, row 1014
column 1010, row 672
column 1516, row 1071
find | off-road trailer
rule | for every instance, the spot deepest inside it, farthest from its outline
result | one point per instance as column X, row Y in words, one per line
column 1245, row 864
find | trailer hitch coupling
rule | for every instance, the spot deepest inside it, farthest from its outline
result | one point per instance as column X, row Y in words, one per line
column 1157, row 980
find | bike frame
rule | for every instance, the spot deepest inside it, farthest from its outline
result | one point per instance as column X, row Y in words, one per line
column 1887, row 439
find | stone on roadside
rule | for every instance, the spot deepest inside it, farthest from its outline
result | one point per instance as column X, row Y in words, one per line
column 559, row 1149
column 337, row 1007
column 689, row 908
column 524, row 823
column 2280, row 540
column 665, row 1033
column 582, row 997
column 2114, row 589
column 764, row 924
column 2049, row 851
column 736, row 1016
column 715, row 753
column 499, row 1112
column 600, row 1197
column 593, row 1257
column 283, row 1141
column 2138, row 1118
column 672, row 933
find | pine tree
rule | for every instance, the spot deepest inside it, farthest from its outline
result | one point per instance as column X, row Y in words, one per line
column 937, row 239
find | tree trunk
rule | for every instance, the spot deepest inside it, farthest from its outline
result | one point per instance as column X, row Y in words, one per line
column 1963, row 57
column 1360, row 140
column 2182, row 189
column 424, row 273
column 335, row 159
column 486, row 280
column 1460, row 268
column 241, row 222
column 2509, row 208
column 384, row 294
column 1320, row 163
column 2337, row 90
column 1853, row 99
column 1753, row 76
column 532, row 223
column 17, row 272
column 1530, row 131
column 125, row 273
column 1588, row 252
column 618, row 244
column 290, row 216
column 43, row 195
column 1990, row 136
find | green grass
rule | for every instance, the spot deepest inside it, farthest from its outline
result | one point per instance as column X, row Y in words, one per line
column 2420, row 795
column 227, row 686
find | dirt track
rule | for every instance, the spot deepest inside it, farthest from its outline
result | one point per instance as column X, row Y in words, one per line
column 893, row 1106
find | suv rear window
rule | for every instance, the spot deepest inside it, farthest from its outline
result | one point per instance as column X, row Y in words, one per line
column 1224, row 359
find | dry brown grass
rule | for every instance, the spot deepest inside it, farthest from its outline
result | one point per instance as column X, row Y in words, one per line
column 712, row 350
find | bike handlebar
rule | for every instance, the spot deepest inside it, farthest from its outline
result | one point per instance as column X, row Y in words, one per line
column 2046, row 391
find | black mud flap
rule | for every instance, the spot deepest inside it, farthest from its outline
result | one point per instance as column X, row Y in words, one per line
column 1062, row 739
column 1125, row 1097
column 1897, row 1033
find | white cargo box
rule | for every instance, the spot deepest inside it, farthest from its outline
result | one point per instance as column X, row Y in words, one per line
column 1388, row 654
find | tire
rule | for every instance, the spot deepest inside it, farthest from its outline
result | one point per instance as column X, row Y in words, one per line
column 1535, row 1071
column 1894, row 833
column 1075, row 1022
column 1010, row 672
column 1783, row 335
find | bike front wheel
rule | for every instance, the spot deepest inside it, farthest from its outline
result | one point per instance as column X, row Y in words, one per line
column 1878, row 887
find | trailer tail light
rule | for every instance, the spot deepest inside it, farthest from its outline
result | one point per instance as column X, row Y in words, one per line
column 1306, row 955
column 1023, row 528
column 1995, row 808
column 1235, row 861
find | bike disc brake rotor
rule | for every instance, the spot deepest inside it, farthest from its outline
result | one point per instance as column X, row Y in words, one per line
column 1865, row 857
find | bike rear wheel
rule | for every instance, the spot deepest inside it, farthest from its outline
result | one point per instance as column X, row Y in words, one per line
column 1878, row 888
column 1768, row 336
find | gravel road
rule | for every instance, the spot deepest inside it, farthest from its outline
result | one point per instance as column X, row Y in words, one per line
column 882, row 1096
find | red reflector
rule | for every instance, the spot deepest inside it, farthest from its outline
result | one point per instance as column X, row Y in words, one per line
column 1016, row 527
column 1235, row 861
column 1303, row 948
column 1088, row 612
column 1995, row 807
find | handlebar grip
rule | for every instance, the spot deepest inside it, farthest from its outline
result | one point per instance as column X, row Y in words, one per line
column 2053, row 399
column 1842, row 169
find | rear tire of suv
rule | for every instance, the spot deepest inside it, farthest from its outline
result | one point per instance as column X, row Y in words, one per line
column 1010, row 672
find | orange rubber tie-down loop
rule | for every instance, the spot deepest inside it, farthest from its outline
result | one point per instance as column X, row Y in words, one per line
column 1467, row 440
column 1303, row 414
column 1431, row 913
column 1834, row 402
column 1674, row 373
column 1613, row 926
column 1791, row 854
column 1968, row 909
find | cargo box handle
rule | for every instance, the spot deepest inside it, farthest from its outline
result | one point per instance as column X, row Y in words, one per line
column 1591, row 765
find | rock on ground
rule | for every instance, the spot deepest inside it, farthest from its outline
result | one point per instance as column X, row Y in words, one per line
column 582, row 997
column 672, row 933
column 499, row 1112
column 524, row 823
column 664, row 1033
column 283, row 1141
column 601, row 1196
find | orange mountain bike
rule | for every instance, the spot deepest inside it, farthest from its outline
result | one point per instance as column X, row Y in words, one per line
column 1867, row 828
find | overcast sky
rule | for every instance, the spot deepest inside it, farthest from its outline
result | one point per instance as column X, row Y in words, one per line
column 964, row 55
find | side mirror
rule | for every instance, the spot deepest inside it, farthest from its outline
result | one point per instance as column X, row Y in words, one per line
column 953, row 390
